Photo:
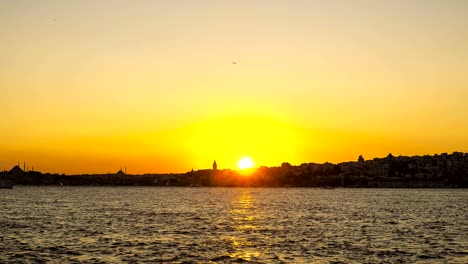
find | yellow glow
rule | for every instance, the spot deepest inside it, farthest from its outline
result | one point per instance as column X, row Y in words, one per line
column 159, row 92
column 245, row 163
column 269, row 139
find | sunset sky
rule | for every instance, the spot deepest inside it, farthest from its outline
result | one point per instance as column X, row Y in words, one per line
column 167, row 86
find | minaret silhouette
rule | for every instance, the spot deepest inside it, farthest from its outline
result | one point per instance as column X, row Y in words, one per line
column 215, row 166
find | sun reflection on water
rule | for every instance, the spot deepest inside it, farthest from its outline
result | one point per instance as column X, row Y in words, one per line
column 244, row 218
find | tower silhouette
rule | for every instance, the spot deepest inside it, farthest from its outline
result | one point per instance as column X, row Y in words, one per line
column 215, row 166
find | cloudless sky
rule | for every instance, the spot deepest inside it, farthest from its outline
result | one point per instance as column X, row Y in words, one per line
column 90, row 86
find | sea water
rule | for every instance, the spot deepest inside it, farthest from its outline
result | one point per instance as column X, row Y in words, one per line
column 257, row 225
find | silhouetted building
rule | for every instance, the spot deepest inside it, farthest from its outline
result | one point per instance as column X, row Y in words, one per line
column 215, row 166
column 360, row 159
column 16, row 170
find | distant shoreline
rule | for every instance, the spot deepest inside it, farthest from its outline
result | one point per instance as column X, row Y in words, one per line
column 240, row 187
column 437, row 171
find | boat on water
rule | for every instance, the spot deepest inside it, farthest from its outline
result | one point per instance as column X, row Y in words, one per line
column 6, row 184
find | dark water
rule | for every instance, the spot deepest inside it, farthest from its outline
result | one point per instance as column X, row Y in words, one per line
column 292, row 225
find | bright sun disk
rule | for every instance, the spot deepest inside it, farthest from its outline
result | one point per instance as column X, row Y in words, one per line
column 245, row 163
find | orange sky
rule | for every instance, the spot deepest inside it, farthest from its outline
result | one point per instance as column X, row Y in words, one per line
column 89, row 87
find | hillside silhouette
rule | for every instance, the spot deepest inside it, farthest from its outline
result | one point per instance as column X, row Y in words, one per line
column 437, row 171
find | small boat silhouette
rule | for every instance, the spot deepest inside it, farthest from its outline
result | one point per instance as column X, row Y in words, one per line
column 4, row 184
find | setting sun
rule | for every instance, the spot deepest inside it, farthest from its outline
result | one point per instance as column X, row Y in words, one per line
column 245, row 163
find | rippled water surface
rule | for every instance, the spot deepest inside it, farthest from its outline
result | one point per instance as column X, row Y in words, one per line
column 262, row 225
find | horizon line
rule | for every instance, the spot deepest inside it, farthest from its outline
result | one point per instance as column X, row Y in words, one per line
column 256, row 167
